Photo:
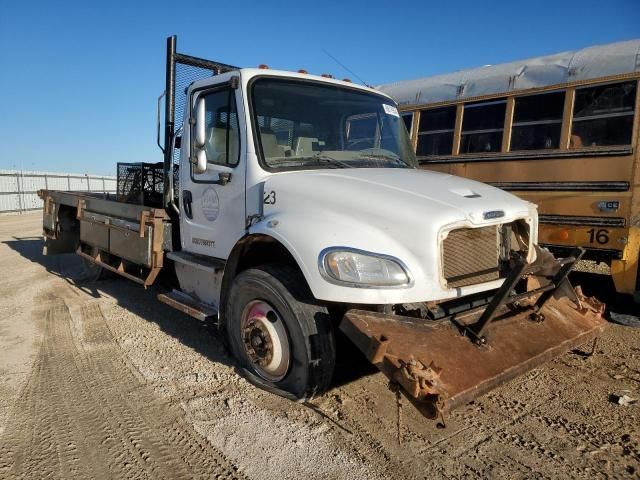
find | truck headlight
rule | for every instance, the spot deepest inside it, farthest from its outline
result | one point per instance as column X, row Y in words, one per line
column 357, row 268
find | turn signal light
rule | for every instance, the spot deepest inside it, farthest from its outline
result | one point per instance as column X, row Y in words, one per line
column 562, row 235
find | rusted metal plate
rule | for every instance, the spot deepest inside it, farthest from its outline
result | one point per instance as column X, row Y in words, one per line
column 440, row 369
column 95, row 234
column 129, row 245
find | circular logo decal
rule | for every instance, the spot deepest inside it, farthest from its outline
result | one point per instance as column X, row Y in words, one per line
column 210, row 204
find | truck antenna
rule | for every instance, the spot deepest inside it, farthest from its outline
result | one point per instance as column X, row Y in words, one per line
column 346, row 68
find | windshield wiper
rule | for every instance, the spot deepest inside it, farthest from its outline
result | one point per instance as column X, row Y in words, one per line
column 381, row 156
column 321, row 157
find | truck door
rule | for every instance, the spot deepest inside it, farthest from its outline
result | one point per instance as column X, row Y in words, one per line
column 212, row 203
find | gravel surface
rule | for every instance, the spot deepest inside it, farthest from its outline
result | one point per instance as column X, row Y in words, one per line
column 101, row 380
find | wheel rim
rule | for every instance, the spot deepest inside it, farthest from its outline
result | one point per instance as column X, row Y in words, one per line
column 265, row 340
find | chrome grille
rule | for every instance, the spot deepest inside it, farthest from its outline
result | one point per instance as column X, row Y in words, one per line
column 471, row 256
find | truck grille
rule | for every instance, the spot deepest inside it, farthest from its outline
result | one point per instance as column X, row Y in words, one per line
column 471, row 256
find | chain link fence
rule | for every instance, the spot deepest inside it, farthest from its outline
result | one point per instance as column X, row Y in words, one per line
column 19, row 189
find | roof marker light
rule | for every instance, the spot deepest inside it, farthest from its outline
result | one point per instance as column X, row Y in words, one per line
column 263, row 66
column 326, row 75
column 302, row 70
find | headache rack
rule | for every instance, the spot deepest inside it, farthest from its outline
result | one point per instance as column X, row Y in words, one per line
column 182, row 71
column 140, row 183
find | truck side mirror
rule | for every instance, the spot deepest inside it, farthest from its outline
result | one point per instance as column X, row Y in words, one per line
column 199, row 155
column 200, row 132
column 200, row 164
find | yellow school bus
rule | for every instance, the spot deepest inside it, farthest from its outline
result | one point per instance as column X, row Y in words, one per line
column 560, row 131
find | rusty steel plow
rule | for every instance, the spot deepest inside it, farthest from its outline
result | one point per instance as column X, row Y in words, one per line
column 446, row 363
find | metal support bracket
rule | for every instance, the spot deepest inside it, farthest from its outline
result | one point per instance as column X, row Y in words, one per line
column 80, row 208
column 503, row 296
column 560, row 276
column 475, row 331
column 144, row 216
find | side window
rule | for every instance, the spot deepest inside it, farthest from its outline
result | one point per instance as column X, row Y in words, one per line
column 537, row 121
column 277, row 137
column 482, row 127
column 222, row 144
column 363, row 131
column 603, row 115
column 435, row 131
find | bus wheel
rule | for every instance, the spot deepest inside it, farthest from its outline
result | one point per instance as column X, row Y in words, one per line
column 278, row 334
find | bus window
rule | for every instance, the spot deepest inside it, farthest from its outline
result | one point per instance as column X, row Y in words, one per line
column 482, row 126
column 603, row 115
column 407, row 117
column 537, row 121
column 435, row 131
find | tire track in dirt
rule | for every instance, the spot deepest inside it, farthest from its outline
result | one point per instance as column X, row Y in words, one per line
column 83, row 413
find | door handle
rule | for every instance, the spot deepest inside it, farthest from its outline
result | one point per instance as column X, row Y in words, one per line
column 187, row 200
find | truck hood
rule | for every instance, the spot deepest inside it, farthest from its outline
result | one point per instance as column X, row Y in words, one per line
column 402, row 213
column 390, row 194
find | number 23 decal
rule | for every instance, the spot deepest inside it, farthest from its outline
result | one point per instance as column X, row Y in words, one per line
column 270, row 198
column 600, row 236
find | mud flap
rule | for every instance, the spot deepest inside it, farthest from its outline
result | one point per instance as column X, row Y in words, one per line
column 439, row 368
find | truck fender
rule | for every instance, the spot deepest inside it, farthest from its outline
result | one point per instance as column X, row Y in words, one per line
column 280, row 250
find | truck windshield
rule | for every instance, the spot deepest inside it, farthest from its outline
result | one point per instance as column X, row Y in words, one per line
column 305, row 124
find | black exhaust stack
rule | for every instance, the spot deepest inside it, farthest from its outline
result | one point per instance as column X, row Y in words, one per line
column 169, row 110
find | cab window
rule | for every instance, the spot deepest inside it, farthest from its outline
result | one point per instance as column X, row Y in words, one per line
column 222, row 144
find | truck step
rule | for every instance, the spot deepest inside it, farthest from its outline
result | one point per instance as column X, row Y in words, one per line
column 187, row 304
column 208, row 264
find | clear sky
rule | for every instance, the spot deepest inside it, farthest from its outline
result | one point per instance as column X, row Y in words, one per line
column 79, row 82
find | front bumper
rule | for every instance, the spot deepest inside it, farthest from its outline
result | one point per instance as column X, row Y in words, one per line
column 444, row 364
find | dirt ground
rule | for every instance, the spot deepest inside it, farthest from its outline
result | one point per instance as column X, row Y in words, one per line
column 99, row 380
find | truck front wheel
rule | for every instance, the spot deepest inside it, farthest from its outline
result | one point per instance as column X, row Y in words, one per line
column 277, row 332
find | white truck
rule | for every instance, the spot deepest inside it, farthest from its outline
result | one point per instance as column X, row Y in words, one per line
column 289, row 208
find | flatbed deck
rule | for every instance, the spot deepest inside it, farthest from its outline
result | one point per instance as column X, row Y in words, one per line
column 125, row 238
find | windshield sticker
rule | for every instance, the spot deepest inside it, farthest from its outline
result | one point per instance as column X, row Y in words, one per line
column 390, row 110
column 210, row 204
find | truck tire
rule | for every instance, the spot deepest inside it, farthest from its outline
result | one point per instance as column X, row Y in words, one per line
column 278, row 334
column 91, row 272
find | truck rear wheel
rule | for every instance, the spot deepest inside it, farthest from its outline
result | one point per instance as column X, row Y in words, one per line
column 92, row 272
column 277, row 332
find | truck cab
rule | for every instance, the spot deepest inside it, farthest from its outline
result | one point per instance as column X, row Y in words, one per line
column 324, row 169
